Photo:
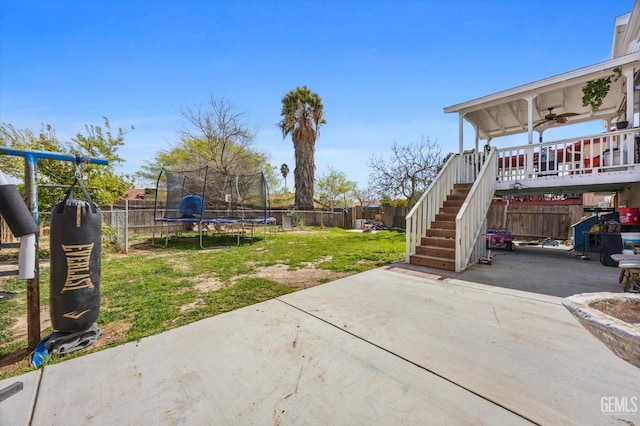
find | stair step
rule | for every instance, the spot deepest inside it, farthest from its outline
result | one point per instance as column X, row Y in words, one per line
column 445, row 233
column 462, row 186
column 432, row 262
column 453, row 203
column 438, row 242
column 439, row 252
column 450, row 210
column 457, row 196
column 442, row 224
column 446, row 217
column 437, row 249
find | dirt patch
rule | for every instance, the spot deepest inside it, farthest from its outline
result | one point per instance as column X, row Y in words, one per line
column 19, row 328
column 298, row 278
column 111, row 333
column 202, row 285
column 178, row 264
column 188, row 307
column 207, row 284
column 319, row 261
column 14, row 361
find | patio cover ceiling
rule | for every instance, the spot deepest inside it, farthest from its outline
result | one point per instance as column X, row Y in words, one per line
column 506, row 113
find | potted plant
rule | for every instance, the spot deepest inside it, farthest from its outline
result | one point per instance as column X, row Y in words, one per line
column 621, row 125
column 594, row 92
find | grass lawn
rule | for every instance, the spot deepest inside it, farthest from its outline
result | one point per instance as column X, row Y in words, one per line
column 153, row 289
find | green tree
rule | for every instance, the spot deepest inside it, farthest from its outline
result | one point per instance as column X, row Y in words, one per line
column 284, row 170
column 270, row 174
column 302, row 116
column 386, row 201
column 333, row 187
column 104, row 184
column 27, row 140
column 191, row 154
column 96, row 142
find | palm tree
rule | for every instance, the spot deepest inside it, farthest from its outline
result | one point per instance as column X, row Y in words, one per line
column 302, row 117
column 284, row 169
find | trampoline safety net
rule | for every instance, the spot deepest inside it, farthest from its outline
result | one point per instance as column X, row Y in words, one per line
column 212, row 199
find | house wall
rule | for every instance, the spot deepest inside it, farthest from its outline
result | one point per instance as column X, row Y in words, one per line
column 593, row 199
column 630, row 197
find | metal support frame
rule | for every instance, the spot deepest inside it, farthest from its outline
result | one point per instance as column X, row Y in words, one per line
column 31, row 195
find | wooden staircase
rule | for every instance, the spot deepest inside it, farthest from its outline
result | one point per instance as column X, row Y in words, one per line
column 437, row 248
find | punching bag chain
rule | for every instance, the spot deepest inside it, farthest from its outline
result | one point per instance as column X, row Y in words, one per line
column 78, row 181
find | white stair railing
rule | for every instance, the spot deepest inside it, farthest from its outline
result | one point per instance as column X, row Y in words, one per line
column 471, row 219
column 419, row 219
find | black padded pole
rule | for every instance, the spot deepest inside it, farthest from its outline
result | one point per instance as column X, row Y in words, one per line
column 15, row 212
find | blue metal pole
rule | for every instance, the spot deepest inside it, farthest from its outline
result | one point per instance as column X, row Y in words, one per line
column 52, row 156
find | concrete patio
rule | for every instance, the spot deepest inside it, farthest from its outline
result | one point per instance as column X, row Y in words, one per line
column 395, row 345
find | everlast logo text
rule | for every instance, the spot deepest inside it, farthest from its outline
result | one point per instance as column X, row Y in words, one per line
column 77, row 266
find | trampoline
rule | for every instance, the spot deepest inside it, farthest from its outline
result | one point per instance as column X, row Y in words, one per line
column 211, row 202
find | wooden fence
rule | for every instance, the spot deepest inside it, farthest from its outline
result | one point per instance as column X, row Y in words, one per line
column 536, row 221
column 524, row 221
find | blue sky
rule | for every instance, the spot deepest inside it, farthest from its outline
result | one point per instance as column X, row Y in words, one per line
column 384, row 69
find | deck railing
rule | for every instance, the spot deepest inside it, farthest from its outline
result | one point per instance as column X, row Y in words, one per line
column 419, row 219
column 586, row 155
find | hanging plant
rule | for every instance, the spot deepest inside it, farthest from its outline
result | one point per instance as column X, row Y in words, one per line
column 594, row 92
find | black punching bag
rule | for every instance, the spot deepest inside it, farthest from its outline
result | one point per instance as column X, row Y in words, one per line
column 75, row 262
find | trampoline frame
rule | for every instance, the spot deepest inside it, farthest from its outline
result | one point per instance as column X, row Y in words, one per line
column 241, row 224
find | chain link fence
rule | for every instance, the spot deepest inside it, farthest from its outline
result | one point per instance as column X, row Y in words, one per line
column 123, row 220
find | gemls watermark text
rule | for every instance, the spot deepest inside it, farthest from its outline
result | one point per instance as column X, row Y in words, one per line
column 619, row 405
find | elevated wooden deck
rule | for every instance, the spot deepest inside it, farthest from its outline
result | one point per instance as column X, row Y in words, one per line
column 605, row 162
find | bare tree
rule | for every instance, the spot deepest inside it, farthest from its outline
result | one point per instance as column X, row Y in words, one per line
column 409, row 171
column 225, row 133
column 365, row 195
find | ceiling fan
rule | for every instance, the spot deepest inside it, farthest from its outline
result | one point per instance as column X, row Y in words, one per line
column 552, row 118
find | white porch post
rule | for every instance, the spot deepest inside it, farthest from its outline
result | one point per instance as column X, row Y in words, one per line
column 529, row 100
column 529, row 156
column 628, row 74
column 628, row 144
column 477, row 141
column 461, row 146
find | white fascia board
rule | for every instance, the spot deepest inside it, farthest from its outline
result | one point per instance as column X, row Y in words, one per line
column 632, row 30
column 618, row 44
